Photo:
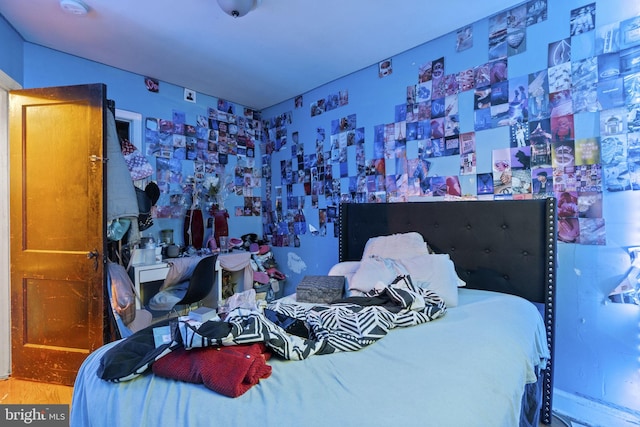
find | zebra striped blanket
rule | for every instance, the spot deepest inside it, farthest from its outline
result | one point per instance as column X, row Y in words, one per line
column 349, row 325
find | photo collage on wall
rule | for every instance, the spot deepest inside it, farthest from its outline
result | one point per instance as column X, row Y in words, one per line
column 206, row 143
column 331, row 102
column 543, row 156
column 314, row 173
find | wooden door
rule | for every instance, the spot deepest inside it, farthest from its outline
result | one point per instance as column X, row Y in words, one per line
column 57, row 141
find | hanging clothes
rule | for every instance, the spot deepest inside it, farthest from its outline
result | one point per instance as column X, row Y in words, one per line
column 121, row 195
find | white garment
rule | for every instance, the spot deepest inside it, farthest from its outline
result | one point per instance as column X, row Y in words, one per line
column 121, row 194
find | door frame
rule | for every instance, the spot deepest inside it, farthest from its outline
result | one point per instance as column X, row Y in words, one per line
column 6, row 84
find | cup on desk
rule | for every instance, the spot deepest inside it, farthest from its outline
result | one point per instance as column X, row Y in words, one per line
column 224, row 244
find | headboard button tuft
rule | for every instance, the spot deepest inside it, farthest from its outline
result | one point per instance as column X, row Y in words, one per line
column 504, row 226
column 525, row 253
column 468, row 226
column 487, row 251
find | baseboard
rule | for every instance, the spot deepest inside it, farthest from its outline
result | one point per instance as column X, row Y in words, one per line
column 591, row 413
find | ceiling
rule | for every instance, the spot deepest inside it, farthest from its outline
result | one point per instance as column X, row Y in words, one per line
column 281, row 49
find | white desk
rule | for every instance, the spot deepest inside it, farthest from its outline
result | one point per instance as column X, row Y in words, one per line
column 234, row 261
column 154, row 272
column 148, row 273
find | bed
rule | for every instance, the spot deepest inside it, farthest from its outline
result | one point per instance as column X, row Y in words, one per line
column 488, row 361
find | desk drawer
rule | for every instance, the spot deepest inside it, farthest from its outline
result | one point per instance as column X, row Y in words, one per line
column 154, row 274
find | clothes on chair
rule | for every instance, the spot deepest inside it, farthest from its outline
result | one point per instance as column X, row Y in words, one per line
column 175, row 285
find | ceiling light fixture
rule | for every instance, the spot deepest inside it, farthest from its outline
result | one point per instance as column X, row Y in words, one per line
column 238, row 8
column 74, row 7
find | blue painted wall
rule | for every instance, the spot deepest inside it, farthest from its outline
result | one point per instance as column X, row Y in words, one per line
column 597, row 343
column 11, row 53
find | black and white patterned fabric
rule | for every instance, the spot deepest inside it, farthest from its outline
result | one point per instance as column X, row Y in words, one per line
column 349, row 325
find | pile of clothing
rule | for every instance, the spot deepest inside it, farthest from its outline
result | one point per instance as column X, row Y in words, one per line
column 266, row 276
column 230, row 356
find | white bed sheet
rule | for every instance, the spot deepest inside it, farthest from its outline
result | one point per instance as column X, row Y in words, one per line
column 467, row 368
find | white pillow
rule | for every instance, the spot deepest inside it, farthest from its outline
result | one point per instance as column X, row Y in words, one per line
column 374, row 272
column 346, row 269
column 435, row 272
column 396, row 246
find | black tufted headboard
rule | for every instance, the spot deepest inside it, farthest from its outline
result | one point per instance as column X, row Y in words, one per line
column 504, row 245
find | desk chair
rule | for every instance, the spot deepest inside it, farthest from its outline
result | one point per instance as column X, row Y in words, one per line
column 201, row 281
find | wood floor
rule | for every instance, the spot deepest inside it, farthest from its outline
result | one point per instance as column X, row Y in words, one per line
column 14, row 391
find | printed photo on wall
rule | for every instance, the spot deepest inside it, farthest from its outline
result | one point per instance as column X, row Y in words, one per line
column 516, row 42
column 613, row 121
column 629, row 34
column 484, row 183
column 559, row 52
column 585, row 99
column 563, row 154
column 437, row 71
column 519, row 135
column 502, row 174
column 521, row 184
column 466, row 80
column 517, row 18
column 318, row 107
column 152, row 85
column 498, row 36
column 451, row 146
column 589, row 178
column 616, row 176
column 560, row 77
column 468, row 163
column 482, row 75
column 607, row 38
column 562, row 128
column 613, row 148
column 536, row 11
column 385, row 68
column 189, row 95
column 590, row 204
column 592, row 231
column 583, row 19
column 564, row 180
column 631, row 83
column 587, row 151
column 560, row 103
column 464, row 38
column 520, row 158
column 539, row 95
column 424, row 72
column 452, row 184
column 542, row 180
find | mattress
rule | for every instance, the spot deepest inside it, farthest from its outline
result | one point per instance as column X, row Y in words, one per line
column 467, row 368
